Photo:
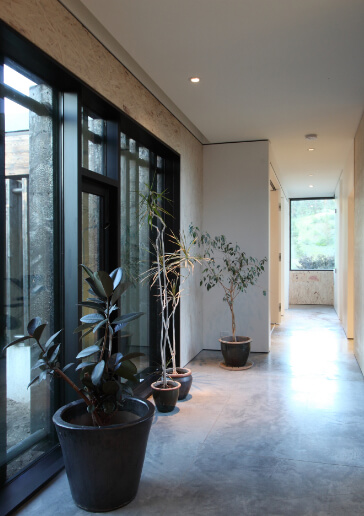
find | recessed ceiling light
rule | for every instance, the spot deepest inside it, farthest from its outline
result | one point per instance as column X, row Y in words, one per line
column 310, row 175
column 194, row 79
column 311, row 149
column 310, row 186
column 311, row 136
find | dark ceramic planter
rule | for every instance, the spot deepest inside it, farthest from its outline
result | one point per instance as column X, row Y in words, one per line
column 235, row 353
column 165, row 399
column 104, row 464
column 184, row 377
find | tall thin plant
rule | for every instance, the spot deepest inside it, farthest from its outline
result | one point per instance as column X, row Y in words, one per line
column 166, row 271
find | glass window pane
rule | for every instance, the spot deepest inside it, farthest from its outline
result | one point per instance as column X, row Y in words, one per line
column 29, row 270
column 135, row 248
column 313, row 234
column 93, row 142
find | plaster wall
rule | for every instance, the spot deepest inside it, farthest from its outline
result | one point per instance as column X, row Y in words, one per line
column 236, row 204
column 311, row 288
column 359, row 244
column 344, row 284
column 47, row 24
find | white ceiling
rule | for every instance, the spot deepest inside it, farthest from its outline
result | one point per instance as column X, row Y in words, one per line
column 269, row 69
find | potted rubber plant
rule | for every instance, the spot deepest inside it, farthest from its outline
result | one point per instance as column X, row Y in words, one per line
column 104, row 434
column 234, row 271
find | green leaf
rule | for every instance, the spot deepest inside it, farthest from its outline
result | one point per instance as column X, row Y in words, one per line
column 39, row 363
column 17, row 341
column 130, row 356
column 38, row 331
column 92, row 318
column 51, row 339
column 116, row 276
column 127, row 370
column 96, row 288
column 126, row 318
column 104, row 283
column 98, row 372
column 55, row 354
column 83, row 327
column 94, row 305
column 33, row 324
column 68, row 366
column 36, row 379
column 87, row 270
column 120, row 289
column 90, row 350
column 98, row 326
column 82, row 365
column 110, row 387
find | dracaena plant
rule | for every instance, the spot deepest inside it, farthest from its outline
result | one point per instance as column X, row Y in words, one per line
column 103, row 373
column 169, row 271
column 226, row 265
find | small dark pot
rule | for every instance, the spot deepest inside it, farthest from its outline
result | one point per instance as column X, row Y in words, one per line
column 235, row 353
column 184, row 377
column 104, row 464
column 165, row 399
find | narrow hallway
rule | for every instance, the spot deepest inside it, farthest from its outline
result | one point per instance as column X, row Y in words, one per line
column 282, row 438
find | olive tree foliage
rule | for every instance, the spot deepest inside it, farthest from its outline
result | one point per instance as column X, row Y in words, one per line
column 227, row 266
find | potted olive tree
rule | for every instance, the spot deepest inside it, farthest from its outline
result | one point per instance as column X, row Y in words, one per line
column 104, row 434
column 230, row 268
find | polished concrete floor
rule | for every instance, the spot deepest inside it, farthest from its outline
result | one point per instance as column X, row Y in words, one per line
column 285, row 437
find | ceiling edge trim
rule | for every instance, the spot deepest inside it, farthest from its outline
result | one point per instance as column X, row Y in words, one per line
column 88, row 20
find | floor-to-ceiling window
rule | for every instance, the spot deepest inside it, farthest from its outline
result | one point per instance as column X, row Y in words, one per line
column 71, row 170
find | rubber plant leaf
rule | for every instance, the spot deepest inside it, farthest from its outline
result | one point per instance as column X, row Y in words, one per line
column 104, row 282
column 92, row 318
column 39, row 330
column 116, row 276
column 33, row 324
column 17, row 341
column 51, row 339
column 128, row 317
column 98, row 372
column 90, row 350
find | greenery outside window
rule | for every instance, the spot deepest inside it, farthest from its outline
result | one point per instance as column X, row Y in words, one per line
column 312, row 234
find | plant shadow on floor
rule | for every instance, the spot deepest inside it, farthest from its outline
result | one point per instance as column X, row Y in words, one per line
column 164, row 414
column 187, row 398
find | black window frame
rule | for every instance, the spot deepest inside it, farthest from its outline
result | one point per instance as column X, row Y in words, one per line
column 17, row 48
column 290, row 232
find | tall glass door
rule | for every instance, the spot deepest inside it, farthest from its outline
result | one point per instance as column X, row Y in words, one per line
column 29, row 284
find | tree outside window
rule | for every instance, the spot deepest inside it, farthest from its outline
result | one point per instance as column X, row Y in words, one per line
column 312, row 234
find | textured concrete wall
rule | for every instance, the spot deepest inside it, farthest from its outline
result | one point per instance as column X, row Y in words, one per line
column 236, row 204
column 359, row 244
column 311, row 288
column 47, row 24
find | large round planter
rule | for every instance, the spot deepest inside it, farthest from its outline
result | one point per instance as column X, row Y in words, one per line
column 165, row 399
column 235, row 353
column 184, row 377
column 104, row 464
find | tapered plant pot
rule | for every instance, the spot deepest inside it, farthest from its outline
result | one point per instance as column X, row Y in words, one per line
column 235, row 353
column 104, row 464
column 165, row 398
column 184, row 377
